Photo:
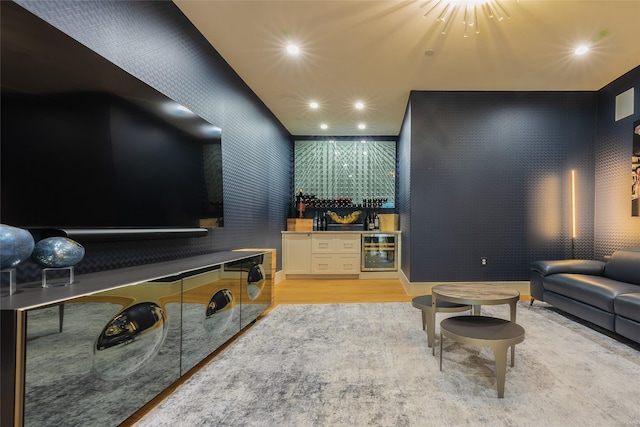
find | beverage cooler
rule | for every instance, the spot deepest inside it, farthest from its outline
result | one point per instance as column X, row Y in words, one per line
column 379, row 252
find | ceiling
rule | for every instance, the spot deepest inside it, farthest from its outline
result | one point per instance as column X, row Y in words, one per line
column 379, row 51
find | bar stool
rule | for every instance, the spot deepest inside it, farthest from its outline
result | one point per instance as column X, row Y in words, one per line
column 483, row 331
column 423, row 303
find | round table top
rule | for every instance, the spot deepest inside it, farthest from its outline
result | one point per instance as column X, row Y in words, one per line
column 483, row 328
column 425, row 302
column 475, row 293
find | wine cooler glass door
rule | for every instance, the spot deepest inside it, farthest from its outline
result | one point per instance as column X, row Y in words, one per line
column 379, row 252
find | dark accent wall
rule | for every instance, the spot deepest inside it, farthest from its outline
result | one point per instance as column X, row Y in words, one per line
column 156, row 43
column 490, row 177
column 615, row 228
column 404, row 191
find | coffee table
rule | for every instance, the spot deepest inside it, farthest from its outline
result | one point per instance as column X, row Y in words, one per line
column 424, row 304
column 476, row 295
column 499, row 334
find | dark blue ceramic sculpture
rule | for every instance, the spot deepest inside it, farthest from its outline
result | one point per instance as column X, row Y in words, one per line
column 16, row 245
column 57, row 252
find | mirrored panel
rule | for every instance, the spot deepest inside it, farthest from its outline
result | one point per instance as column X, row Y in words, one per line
column 95, row 360
column 210, row 312
column 257, row 286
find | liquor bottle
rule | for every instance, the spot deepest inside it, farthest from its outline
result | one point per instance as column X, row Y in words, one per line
column 371, row 222
column 315, row 221
column 300, row 205
column 376, row 221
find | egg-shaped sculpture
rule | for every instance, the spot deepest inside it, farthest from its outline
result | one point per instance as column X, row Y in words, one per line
column 16, row 245
column 56, row 252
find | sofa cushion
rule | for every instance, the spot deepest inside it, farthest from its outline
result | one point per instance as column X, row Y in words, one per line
column 580, row 266
column 628, row 305
column 624, row 266
column 596, row 291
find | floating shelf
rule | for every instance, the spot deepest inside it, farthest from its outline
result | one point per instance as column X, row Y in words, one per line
column 119, row 234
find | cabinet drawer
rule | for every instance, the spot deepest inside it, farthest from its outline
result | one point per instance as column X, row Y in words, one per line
column 347, row 264
column 322, row 264
column 335, row 264
column 344, row 243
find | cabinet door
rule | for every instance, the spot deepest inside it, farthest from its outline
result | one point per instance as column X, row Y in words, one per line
column 296, row 253
column 83, row 355
column 210, row 312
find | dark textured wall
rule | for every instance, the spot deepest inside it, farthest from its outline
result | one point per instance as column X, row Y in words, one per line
column 404, row 191
column 154, row 41
column 490, row 177
column 615, row 227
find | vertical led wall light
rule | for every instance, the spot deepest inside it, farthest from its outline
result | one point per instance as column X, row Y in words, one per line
column 573, row 213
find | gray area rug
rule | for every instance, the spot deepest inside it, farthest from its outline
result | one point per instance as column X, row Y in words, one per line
column 369, row 365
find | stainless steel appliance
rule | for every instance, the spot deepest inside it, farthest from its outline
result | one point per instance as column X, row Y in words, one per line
column 379, row 252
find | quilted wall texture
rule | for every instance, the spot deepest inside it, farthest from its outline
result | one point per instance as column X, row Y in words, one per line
column 490, row 177
column 615, row 227
column 404, row 191
column 154, row 41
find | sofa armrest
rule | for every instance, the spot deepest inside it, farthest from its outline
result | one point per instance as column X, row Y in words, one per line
column 576, row 266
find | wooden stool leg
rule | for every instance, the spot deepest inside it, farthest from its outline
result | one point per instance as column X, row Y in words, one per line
column 500, row 354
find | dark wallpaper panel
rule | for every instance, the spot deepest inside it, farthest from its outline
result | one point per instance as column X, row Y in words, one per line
column 490, row 177
column 404, row 191
column 615, row 227
column 154, row 41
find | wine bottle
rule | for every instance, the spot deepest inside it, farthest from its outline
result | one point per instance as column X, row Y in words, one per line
column 315, row 221
column 376, row 221
column 323, row 222
column 300, row 205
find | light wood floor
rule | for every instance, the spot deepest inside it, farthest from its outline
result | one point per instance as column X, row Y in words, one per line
column 320, row 291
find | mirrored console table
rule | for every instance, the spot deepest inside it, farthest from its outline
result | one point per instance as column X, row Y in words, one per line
column 95, row 352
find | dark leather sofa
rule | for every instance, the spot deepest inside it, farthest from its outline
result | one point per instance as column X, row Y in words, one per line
column 605, row 293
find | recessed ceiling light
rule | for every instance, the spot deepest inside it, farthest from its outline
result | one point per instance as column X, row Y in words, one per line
column 581, row 50
column 313, row 104
column 361, row 126
column 359, row 105
column 293, row 49
column 323, row 126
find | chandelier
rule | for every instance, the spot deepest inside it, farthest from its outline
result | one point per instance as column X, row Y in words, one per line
column 469, row 11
